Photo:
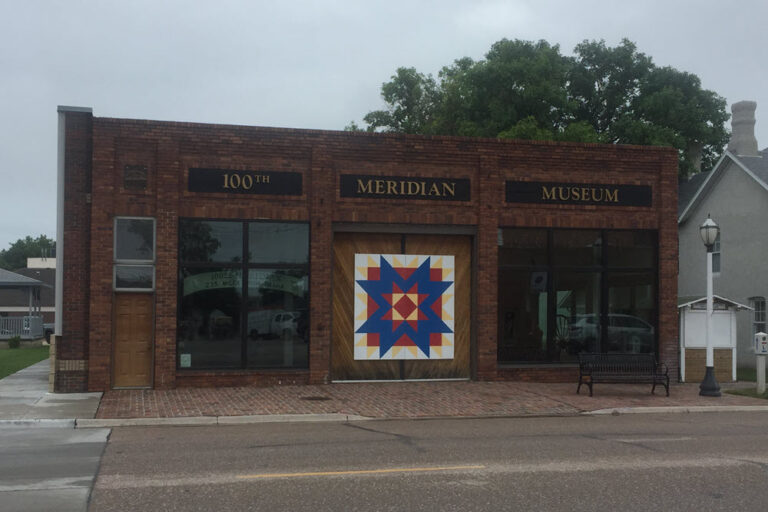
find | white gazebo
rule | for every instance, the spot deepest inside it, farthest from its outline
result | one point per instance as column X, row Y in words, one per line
column 29, row 326
column 693, row 344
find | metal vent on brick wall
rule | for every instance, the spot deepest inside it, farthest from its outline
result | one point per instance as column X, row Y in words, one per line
column 135, row 177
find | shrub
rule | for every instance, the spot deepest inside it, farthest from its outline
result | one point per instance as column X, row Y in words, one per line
column 14, row 342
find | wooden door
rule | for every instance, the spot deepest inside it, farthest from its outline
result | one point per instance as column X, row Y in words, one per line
column 134, row 327
column 461, row 249
column 343, row 364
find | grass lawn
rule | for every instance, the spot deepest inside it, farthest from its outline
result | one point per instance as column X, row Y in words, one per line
column 746, row 374
column 751, row 392
column 15, row 359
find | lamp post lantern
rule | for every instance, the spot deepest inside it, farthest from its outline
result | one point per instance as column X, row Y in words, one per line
column 709, row 386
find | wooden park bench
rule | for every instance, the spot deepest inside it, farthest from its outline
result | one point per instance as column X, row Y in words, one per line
column 622, row 369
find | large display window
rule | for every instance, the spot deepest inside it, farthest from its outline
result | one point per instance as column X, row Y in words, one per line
column 562, row 292
column 243, row 294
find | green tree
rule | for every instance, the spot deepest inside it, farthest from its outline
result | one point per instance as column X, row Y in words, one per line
column 516, row 81
column 16, row 255
column 410, row 97
column 529, row 90
column 628, row 100
column 683, row 115
column 603, row 83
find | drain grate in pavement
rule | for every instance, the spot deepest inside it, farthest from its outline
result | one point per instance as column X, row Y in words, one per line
column 315, row 398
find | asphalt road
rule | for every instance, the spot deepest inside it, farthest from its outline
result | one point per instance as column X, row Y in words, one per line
column 705, row 461
column 48, row 469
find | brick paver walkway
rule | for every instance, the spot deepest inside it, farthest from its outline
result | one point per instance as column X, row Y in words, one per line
column 401, row 400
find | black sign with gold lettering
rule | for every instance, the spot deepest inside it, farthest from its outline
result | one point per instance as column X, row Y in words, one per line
column 578, row 193
column 401, row 187
column 244, row 182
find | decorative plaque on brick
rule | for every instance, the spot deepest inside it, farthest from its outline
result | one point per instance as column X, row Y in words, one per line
column 402, row 187
column 578, row 193
column 245, row 182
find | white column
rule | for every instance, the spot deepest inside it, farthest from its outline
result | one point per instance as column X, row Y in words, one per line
column 710, row 351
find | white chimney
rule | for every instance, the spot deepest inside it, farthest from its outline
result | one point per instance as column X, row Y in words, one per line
column 743, row 141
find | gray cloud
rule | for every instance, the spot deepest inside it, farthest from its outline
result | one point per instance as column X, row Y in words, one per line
column 303, row 64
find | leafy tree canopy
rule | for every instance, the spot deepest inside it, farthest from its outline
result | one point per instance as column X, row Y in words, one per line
column 529, row 90
column 15, row 257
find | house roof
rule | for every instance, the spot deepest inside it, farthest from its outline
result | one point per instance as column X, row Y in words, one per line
column 687, row 188
column 17, row 295
column 693, row 190
column 10, row 279
column 690, row 300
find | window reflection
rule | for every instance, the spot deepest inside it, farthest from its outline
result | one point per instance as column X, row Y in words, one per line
column 578, row 303
column 210, row 241
column 278, row 319
column 218, row 327
column 134, row 239
column 631, row 312
column 278, row 242
column 209, row 320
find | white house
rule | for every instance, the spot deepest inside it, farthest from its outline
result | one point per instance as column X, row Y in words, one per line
column 735, row 194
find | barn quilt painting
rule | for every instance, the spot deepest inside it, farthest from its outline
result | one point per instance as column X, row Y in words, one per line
column 404, row 306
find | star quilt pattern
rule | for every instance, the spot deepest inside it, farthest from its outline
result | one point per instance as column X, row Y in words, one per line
column 404, row 306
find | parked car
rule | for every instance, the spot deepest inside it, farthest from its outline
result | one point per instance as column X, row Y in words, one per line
column 626, row 333
column 270, row 323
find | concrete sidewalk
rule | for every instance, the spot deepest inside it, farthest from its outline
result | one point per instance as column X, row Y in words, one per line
column 24, row 399
column 381, row 400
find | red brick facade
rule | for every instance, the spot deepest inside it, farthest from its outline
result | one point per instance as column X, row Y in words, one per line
column 98, row 149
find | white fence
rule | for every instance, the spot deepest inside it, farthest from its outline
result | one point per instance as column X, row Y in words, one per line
column 26, row 327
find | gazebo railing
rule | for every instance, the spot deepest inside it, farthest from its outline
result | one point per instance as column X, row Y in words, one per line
column 26, row 327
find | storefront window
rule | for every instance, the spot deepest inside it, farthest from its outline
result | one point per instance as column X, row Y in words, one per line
column 209, row 333
column 577, row 299
column 278, row 318
column 631, row 312
column 562, row 292
column 576, row 247
column 527, row 247
column 273, row 242
column 252, row 309
column 204, row 241
column 523, row 303
column 630, row 249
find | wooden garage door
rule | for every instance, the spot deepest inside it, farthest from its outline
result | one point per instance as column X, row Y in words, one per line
column 343, row 364
column 133, row 340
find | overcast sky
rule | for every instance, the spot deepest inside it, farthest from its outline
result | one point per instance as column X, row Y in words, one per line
column 305, row 64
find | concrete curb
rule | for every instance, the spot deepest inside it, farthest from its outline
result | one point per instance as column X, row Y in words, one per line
column 145, row 422
column 336, row 417
column 216, row 420
column 677, row 409
column 40, row 423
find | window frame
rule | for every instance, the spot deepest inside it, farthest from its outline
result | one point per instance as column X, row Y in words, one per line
column 127, row 262
column 245, row 265
column 753, row 303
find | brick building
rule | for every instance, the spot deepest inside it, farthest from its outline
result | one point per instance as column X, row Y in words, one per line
column 215, row 255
